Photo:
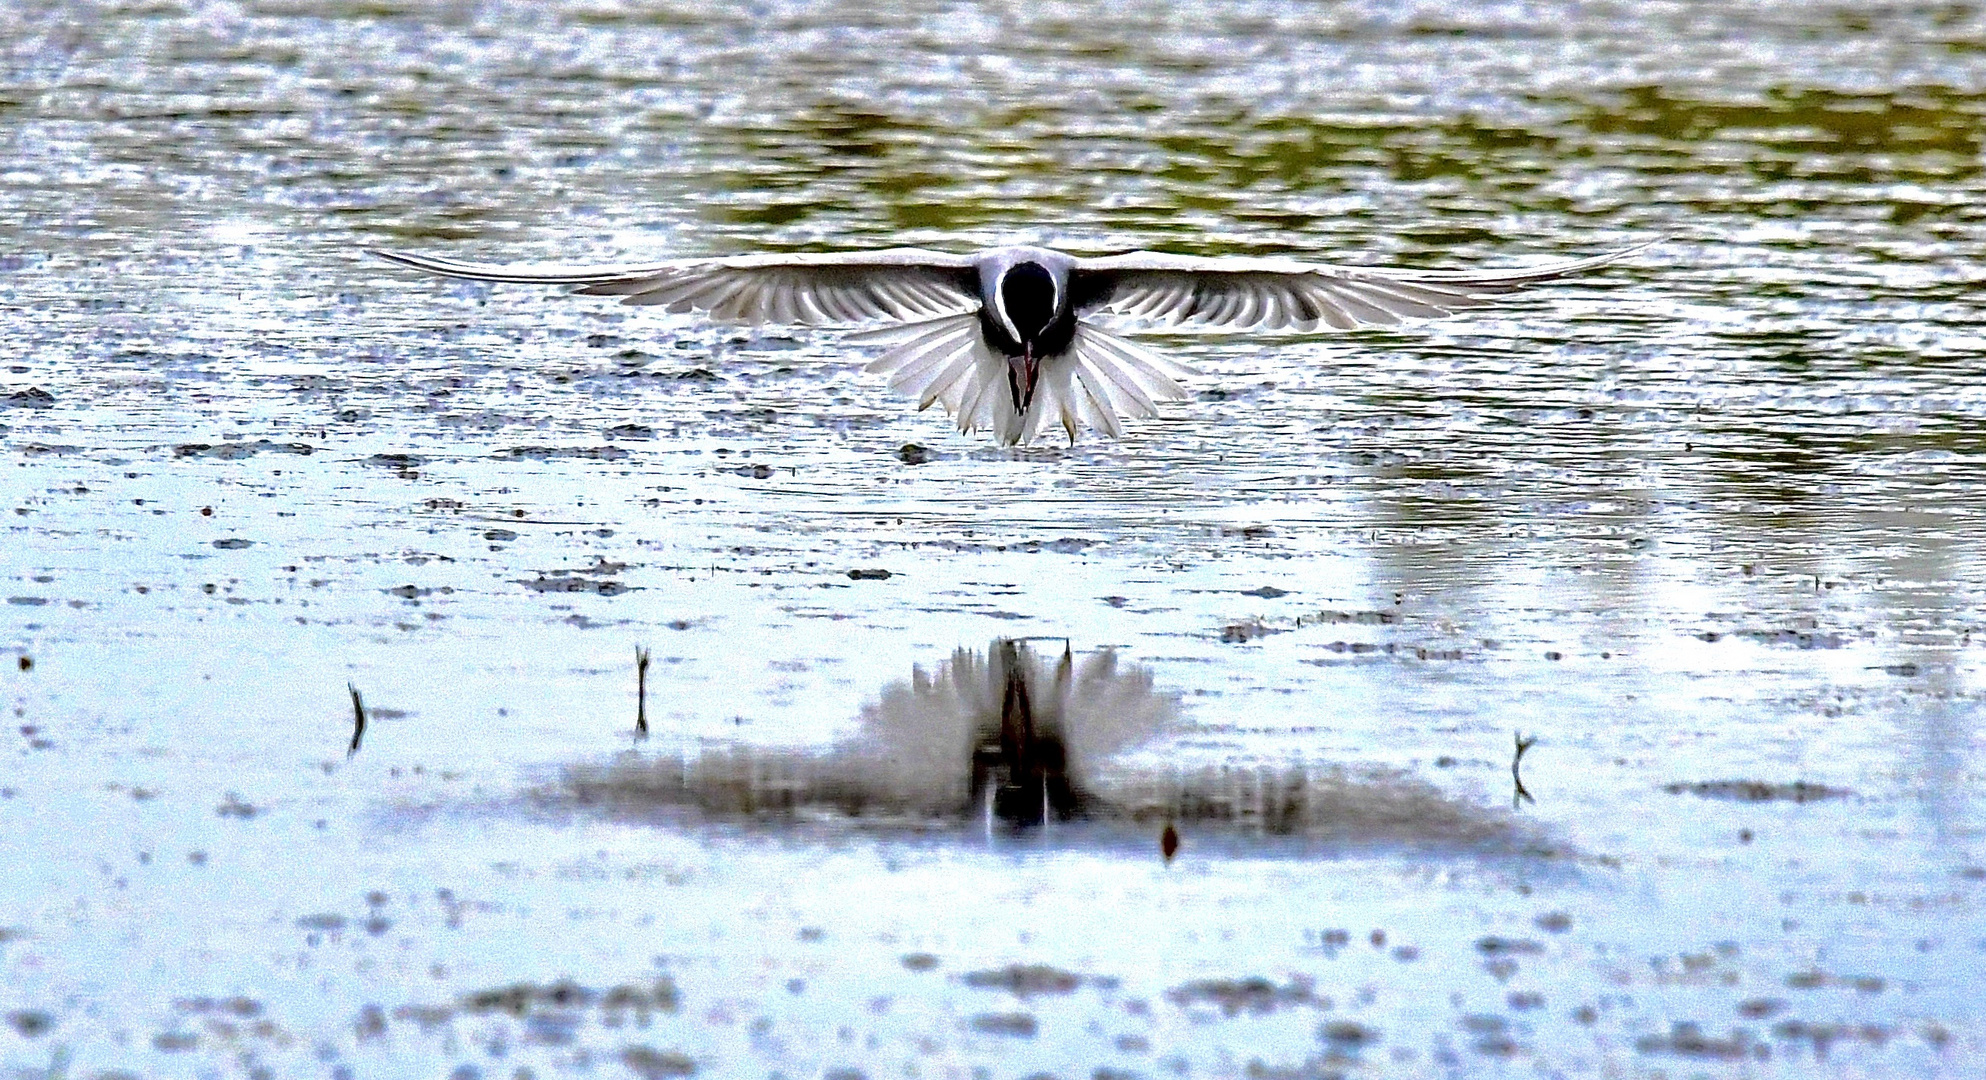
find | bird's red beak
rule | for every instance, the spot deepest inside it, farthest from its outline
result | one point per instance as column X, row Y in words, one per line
column 1021, row 372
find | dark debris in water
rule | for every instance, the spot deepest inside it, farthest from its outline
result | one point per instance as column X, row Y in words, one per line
column 1026, row 980
column 1347, row 1034
column 1815, row 979
column 651, row 1064
column 1254, row 994
column 1017, row 1025
column 236, row 451
column 521, row 999
column 397, row 461
column 1758, row 791
column 1799, row 639
column 1379, row 649
column 1687, row 1040
column 557, row 453
column 240, row 1007
column 1243, row 631
column 34, row 397
column 1819, row 1036
column 562, row 581
column 31, row 1023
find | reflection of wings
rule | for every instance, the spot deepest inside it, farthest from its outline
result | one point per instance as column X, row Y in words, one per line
column 929, row 725
column 1378, row 807
column 1280, row 294
column 807, row 289
column 924, row 747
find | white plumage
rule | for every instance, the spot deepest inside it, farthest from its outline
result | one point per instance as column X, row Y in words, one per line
column 1103, row 377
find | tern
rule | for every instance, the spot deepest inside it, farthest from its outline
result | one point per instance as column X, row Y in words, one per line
column 1005, row 338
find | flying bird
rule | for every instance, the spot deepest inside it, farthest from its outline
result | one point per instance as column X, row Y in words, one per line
column 1006, row 338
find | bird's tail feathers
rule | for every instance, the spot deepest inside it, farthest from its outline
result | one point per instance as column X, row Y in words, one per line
column 1100, row 379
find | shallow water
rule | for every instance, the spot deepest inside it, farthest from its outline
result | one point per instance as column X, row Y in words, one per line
column 1703, row 527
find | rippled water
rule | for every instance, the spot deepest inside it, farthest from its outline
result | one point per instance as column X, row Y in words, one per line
column 1704, row 527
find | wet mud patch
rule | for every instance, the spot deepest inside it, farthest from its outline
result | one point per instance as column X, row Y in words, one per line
column 648, row 1063
column 1028, row 980
column 1015, row 1025
column 1355, row 651
column 402, row 462
column 1254, row 627
column 34, row 397
column 1816, row 979
column 1254, row 995
column 1789, row 636
column 616, row 1004
column 1818, row 1038
column 1689, row 1040
column 608, row 452
column 595, row 581
column 563, row 1013
column 31, row 1023
column 1243, row 631
column 1758, row 791
column 238, row 451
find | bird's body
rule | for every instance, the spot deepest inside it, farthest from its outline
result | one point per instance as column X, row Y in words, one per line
column 1003, row 338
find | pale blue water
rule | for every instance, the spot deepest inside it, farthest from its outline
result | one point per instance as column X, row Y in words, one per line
column 1708, row 518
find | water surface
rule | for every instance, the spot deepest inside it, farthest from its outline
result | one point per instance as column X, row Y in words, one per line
column 1701, row 531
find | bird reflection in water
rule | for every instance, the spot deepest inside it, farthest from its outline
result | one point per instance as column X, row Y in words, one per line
column 1020, row 766
column 1013, row 738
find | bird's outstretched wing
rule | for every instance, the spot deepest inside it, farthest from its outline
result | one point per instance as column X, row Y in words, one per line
column 807, row 289
column 1282, row 294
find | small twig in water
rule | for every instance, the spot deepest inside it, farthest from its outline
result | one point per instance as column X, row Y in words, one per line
column 641, row 691
column 1520, row 795
column 358, row 721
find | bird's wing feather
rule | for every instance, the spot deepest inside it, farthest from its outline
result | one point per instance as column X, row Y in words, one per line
column 1279, row 294
column 810, row 289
